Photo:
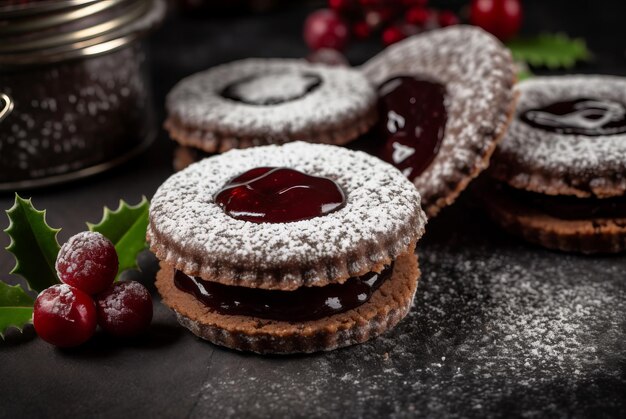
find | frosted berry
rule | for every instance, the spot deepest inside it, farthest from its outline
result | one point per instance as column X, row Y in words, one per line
column 361, row 30
column 342, row 5
column 125, row 309
column 325, row 29
column 502, row 18
column 87, row 261
column 64, row 316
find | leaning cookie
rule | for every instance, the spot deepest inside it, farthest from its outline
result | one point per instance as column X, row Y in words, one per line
column 559, row 177
column 446, row 98
column 281, row 249
column 269, row 101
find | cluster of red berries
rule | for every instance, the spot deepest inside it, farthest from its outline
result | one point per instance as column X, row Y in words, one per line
column 394, row 20
column 67, row 314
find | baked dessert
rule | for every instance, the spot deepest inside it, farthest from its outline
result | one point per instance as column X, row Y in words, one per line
column 559, row 176
column 446, row 98
column 283, row 249
column 255, row 102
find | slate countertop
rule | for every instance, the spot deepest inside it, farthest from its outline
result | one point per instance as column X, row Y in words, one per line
column 499, row 328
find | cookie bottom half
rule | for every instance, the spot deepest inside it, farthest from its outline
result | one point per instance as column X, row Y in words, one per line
column 571, row 232
column 387, row 306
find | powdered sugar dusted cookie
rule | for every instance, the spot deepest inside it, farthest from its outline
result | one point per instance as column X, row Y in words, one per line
column 559, row 175
column 445, row 101
column 270, row 101
column 293, row 248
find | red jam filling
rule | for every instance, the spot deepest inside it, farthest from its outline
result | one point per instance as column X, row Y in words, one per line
column 303, row 304
column 590, row 117
column 279, row 195
column 413, row 122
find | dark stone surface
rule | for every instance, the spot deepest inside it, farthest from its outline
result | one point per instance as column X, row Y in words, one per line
column 499, row 328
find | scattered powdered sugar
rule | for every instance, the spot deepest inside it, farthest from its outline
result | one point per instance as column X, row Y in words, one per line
column 274, row 87
column 491, row 334
column 342, row 94
column 570, row 156
column 478, row 73
column 382, row 209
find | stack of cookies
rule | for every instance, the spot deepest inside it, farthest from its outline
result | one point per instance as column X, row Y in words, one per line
column 282, row 249
column 559, row 177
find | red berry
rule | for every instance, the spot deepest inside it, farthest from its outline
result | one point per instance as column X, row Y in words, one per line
column 325, row 29
column 447, row 18
column 417, row 16
column 361, row 30
column 341, row 5
column 413, row 3
column 502, row 18
column 328, row 56
column 393, row 34
column 125, row 309
column 88, row 261
column 64, row 316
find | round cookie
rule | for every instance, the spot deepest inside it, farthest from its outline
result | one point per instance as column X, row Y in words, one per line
column 381, row 219
column 558, row 178
column 562, row 163
column 269, row 101
column 475, row 74
column 246, row 265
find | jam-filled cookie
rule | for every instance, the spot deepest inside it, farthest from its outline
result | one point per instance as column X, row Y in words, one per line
column 445, row 101
column 269, row 101
column 282, row 249
column 559, row 175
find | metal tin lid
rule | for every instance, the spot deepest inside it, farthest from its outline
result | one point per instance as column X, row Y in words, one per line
column 132, row 19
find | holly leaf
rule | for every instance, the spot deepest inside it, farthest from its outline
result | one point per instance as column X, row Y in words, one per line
column 549, row 50
column 126, row 228
column 33, row 243
column 16, row 307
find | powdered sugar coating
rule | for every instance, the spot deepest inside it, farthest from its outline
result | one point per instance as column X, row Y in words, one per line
column 59, row 301
column 197, row 102
column 549, row 162
column 478, row 73
column 381, row 219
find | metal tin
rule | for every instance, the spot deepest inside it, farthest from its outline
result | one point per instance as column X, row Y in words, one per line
column 76, row 108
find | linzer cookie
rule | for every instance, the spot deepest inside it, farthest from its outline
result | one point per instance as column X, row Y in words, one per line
column 282, row 249
column 269, row 101
column 559, row 175
column 445, row 101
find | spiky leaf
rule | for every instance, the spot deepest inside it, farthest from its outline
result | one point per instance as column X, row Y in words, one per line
column 33, row 243
column 16, row 307
column 126, row 228
column 549, row 50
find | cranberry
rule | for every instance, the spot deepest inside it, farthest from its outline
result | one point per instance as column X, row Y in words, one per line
column 329, row 57
column 502, row 18
column 361, row 29
column 417, row 16
column 325, row 29
column 125, row 309
column 393, row 34
column 87, row 261
column 341, row 5
column 418, row 3
column 447, row 18
column 64, row 316
column 279, row 195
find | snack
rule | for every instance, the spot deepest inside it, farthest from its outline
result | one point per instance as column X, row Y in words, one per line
column 559, row 175
column 445, row 101
column 282, row 249
column 269, row 101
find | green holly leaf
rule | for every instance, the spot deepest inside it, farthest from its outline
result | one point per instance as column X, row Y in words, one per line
column 16, row 307
column 126, row 228
column 549, row 50
column 33, row 243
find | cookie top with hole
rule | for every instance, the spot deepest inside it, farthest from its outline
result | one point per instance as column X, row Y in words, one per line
column 568, row 137
column 193, row 230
